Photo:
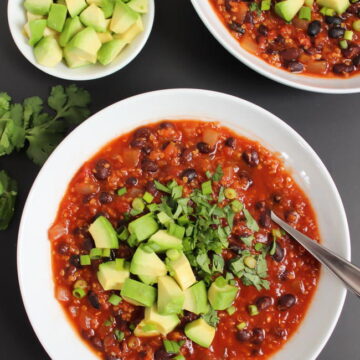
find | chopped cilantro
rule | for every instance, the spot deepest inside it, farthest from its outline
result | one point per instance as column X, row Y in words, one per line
column 211, row 317
column 119, row 335
column 8, row 194
column 250, row 221
column 162, row 187
column 218, row 174
column 172, row 347
column 248, row 240
column 218, row 263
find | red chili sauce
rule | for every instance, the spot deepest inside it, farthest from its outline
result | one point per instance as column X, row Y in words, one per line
column 319, row 46
column 161, row 152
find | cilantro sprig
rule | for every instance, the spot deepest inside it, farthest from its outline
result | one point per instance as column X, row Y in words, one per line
column 8, row 194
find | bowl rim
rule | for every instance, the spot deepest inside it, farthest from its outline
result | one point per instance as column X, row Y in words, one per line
column 176, row 92
column 262, row 70
column 71, row 73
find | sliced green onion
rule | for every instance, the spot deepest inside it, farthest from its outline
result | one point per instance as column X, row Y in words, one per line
column 273, row 248
column 179, row 357
column 171, row 347
column 138, row 204
column 265, row 5
column 95, row 253
column 241, row 326
column 253, row 310
column 327, row 11
column 79, row 293
column 206, row 188
column 122, row 191
column 236, row 206
column 258, row 246
column 148, row 197
column 114, row 299
column 276, row 233
column 343, row 44
column 124, row 234
column 305, row 13
column 230, row 193
column 80, row 284
column 119, row 335
column 231, row 310
column 106, row 253
column 250, row 262
column 356, row 25
column 348, row 35
column 85, row 260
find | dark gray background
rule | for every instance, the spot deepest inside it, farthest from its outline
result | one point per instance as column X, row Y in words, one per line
column 182, row 53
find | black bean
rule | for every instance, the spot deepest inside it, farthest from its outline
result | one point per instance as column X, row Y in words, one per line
column 143, row 132
column 251, row 157
column 105, row 197
column 189, row 316
column 279, row 40
column 336, row 32
column 237, row 27
column 245, row 180
column 139, row 143
column 343, row 68
column 333, row 20
column 75, row 261
column 131, row 181
column 97, row 342
column 279, row 253
column 257, row 352
column 230, row 142
column 149, row 165
column 243, row 335
column 249, row 18
column 151, row 188
column 62, row 248
column 314, row 28
column 162, row 354
column 264, row 302
column 286, row 301
column 147, row 149
column 258, row 336
column 260, row 205
column 88, row 243
column 356, row 60
column 292, row 217
column 265, row 219
column 280, row 332
column 203, row 147
column 94, row 300
column 102, row 169
column 295, row 66
column 190, row 174
column 290, row 54
column 88, row 334
column 166, row 125
column 263, row 30
column 277, row 198
column 352, row 51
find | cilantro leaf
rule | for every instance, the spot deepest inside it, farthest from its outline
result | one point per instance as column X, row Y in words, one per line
column 204, row 262
column 218, row 263
column 8, row 193
column 250, row 221
column 211, row 317
column 218, row 174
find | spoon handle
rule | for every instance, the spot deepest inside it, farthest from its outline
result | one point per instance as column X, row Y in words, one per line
column 343, row 269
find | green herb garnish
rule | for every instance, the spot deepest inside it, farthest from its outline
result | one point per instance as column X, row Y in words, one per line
column 8, row 194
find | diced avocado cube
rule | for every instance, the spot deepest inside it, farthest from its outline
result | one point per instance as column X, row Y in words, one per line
column 149, row 280
column 86, row 44
column 196, row 299
column 48, row 52
column 165, row 323
column 146, row 329
column 162, row 241
column 129, row 36
column 105, row 37
column 75, row 7
column 73, row 59
column 93, row 16
column 112, row 274
column 140, row 6
column 38, row 7
column 137, row 293
column 288, row 9
column 72, row 27
column 143, row 227
column 50, row 32
column 57, row 17
column 221, row 295
column 107, row 6
column 30, row 16
column 181, row 271
column 110, row 50
column 147, row 264
column 123, row 18
column 36, row 31
column 170, row 296
column 162, row 216
column 104, row 234
column 200, row 332
column 340, row 6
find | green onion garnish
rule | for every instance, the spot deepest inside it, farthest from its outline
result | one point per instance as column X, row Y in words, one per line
column 114, row 299
column 356, row 25
column 230, row 193
column 106, row 253
column 79, row 293
column 206, row 188
column 265, row 5
column 95, row 253
column 253, row 310
column 241, row 326
column 231, row 310
column 122, row 191
column 119, row 335
column 343, row 44
column 348, row 35
column 305, row 13
column 85, row 260
column 172, row 347
column 138, row 204
column 148, row 197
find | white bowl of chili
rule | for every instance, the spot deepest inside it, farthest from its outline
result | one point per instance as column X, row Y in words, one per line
column 316, row 83
column 242, row 117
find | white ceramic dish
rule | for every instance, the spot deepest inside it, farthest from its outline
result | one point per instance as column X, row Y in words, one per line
column 317, row 84
column 17, row 20
column 34, row 260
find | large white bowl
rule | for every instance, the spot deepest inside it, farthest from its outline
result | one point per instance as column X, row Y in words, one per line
column 34, row 261
column 17, row 20
column 303, row 82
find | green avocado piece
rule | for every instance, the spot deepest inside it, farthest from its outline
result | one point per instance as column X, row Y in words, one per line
column 57, row 17
column 181, row 271
column 110, row 50
column 48, row 52
column 140, row 6
column 288, row 9
column 30, row 16
column 73, row 59
column 221, row 295
column 143, row 227
column 72, row 27
column 129, row 36
column 146, row 329
column 107, row 6
column 105, row 37
column 104, row 234
column 162, row 241
column 170, row 296
column 36, row 31
column 137, row 293
column 340, row 6
column 38, row 7
column 123, row 18
column 75, row 7
column 148, row 280
column 93, row 16
column 200, row 332
column 196, row 299
column 165, row 323
column 112, row 274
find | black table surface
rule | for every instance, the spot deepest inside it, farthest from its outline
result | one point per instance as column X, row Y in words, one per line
column 181, row 53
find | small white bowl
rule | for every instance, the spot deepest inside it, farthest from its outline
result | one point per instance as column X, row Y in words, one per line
column 303, row 82
column 34, row 257
column 17, row 20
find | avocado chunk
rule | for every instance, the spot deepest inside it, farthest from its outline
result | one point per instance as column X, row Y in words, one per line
column 170, row 296
column 93, row 16
column 36, row 31
column 107, row 6
column 221, row 295
column 105, row 37
column 147, row 264
column 57, row 17
column 123, row 18
column 162, row 241
column 110, row 50
column 129, row 36
column 149, row 280
column 85, row 44
column 75, row 7
column 48, row 52
column 72, row 27
column 30, row 16
column 200, row 332
column 38, row 7
column 104, row 234
column 196, row 299
column 181, row 271
column 143, row 227
column 146, row 329
column 73, row 59
column 165, row 323
column 340, row 6
column 137, row 293
column 140, row 6
column 112, row 274
column 288, row 9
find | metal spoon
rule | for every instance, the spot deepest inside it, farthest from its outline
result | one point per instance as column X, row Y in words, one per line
column 343, row 269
